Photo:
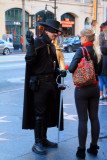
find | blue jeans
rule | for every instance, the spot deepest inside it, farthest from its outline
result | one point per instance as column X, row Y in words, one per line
column 102, row 82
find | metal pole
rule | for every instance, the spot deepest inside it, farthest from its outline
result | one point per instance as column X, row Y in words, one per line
column 60, row 108
column 45, row 12
column 55, row 9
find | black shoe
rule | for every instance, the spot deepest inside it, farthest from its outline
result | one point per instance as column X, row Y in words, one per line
column 49, row 144
column 93, row 149
column 81, row 153
column 38, row 148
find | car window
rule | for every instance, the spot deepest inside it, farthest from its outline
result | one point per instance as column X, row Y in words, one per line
column 77, row 38
column 1, row 42
column 69, row 39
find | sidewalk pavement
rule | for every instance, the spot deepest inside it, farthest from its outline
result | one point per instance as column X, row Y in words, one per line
column 17, row 52
column 16, row 144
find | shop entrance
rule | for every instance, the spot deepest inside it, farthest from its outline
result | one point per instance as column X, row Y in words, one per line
column 13, row 24
column 68, row 24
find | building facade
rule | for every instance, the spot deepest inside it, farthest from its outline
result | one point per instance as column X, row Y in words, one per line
column 72, row 14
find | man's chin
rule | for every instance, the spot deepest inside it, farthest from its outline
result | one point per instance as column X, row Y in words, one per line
column 54, row 38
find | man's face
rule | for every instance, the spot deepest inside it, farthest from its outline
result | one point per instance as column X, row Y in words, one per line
column 52, row 36
column 59, row 33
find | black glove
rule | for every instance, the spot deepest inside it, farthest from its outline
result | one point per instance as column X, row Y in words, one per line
column 63, row 73
column 29, row 37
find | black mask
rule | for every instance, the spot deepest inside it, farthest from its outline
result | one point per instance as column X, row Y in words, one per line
column 51, row 30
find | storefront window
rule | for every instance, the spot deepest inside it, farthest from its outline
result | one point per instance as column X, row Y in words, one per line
column 87, row 22
column 68, row 24
column 14, row 24
column 42, row 16
column 16, row 15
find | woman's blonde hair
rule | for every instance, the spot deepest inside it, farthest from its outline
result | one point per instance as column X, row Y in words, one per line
column 92, row 37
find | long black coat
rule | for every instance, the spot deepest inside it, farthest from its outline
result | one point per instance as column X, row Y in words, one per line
column 28, row 110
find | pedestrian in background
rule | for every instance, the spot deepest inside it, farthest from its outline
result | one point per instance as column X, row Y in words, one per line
column 8, row 39
column 103, row 35
column 87, row 98
column 60, row 37
column 21, row 42
column 60, row 56
column 58, row 45
column 41, row 100
column 103, row 75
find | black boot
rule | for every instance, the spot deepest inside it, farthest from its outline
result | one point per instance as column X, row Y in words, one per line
column 38, row 147
column 81, row 153
column 46, row 143
column 93, row 149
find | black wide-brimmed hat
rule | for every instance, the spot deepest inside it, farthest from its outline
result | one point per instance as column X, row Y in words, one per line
column 51, row 23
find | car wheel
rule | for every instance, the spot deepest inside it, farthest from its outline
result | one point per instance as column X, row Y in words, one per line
column 69, row 49
column 6, row 51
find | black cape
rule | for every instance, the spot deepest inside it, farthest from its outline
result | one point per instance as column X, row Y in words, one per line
column 28, row 121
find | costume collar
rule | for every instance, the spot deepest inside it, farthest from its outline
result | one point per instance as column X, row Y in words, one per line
column 88, row 44
column 46, row 39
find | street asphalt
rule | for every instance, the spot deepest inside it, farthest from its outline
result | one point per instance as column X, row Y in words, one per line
column 17, row 52
column 16, row 144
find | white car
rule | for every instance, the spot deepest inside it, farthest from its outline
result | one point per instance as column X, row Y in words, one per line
column 6, row 47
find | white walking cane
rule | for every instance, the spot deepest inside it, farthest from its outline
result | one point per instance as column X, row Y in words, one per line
column 61, row 86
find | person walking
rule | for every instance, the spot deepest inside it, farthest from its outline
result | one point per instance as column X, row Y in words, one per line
column 21, row 42
column 103, row 75
column 87, row 98
column 41, row 96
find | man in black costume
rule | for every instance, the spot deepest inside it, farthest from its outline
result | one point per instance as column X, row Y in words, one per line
column 41, row 96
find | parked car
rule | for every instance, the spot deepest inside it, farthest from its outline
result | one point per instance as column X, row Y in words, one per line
column 6, row 47
column 67, row 39
column 72, row 44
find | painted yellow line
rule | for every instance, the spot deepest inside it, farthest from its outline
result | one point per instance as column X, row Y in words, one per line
column 11, row 60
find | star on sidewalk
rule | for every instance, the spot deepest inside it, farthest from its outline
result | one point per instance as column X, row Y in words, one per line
column 66, row 105
column 3, row 139
column 70, row 116
column 1, row 119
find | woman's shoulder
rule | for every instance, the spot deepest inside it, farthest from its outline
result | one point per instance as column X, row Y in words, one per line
column 79, row 50
column 78, row 54
column 91, row 50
